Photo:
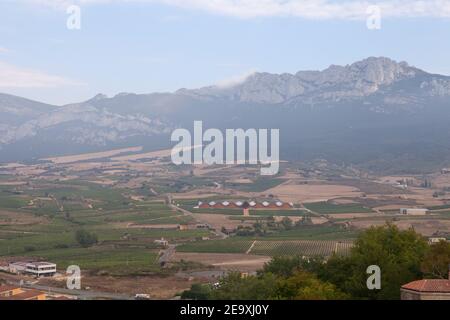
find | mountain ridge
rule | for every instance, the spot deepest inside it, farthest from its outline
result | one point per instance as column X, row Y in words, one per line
column 320, row 114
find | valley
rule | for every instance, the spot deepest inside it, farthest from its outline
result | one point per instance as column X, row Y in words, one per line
column 145, row 214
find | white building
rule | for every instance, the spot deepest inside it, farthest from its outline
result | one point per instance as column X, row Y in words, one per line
column 17, row 267
column 414, row 211
column 162, row 242
column 435, row 240
column 41, row 269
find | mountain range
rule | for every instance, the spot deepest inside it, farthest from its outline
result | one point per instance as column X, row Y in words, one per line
column 377, row 113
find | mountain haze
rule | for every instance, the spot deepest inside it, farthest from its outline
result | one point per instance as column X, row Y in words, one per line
column 377, row 113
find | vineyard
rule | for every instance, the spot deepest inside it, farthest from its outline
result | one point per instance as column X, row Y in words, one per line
column 301, row 247
column 216, row 246
column 270, row 248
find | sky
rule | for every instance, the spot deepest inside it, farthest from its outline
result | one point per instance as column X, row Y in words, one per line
column 145, row 46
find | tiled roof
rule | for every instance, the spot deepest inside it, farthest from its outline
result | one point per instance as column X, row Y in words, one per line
column 29, row 294
column 5, row 288
column 429, row 286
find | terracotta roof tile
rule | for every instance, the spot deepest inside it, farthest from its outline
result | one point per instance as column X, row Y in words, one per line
column 5, row 288
column 29, row 294
column 431, row 285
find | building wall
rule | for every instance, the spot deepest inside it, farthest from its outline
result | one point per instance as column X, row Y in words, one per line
column 414, row 295
column 40, row 297
column 414, row 212
column 10, row 293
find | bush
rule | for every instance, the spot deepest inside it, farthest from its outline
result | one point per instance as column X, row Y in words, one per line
column 86, row 239
column 29, row 248
column 197, row 292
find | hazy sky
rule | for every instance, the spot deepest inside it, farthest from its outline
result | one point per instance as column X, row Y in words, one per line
column 145, row 46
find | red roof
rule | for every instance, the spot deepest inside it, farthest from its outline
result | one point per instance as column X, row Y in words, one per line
column 441, row 286
column 27, row 295
column 7, row 288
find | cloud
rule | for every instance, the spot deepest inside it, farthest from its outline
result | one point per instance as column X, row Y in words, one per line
column 3, row 50
column 310, row 9
column 16, row 77
column 235, row 80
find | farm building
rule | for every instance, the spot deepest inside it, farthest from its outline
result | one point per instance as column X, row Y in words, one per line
column 41, row 269
column 38, row 269
column 434, row 240
column 274, row 205
column 414, row 211
column 246, row 208
column 162, row 242
column 17, row 267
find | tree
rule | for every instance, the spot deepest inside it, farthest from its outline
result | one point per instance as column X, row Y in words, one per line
column 301, row 285
column 287, row 223
column 285, row 266
column 197, row 292
column 306, row 286
column 398, row 254
column 236, row 287
column 282, row 266
column 337, row 271
column 86, row 239
column 437, row 260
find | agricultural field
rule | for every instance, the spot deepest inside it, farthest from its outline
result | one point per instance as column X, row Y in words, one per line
column 330, row 208
column 105, row 259
column 279, row 213
column 329, row 232
column 128, row 205
column 314, row 234
column 270, row 247
column 234, row 245
column 41, row 220
column 258, row 185
column 301, row 248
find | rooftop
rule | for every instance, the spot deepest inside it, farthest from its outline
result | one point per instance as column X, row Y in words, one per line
column 4, row 288
column 429, row 285
column 40, row 264
column 29, row 294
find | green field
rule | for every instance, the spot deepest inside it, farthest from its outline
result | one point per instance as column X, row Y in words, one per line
column 301, row 248
column 442, row 207
column 233, row 245
column 46, row 229
column 319, row 234
column 13, row 202
column 259, row 185
column 313, row 233
column 105, row 259
column 273, row 213
column 330, row 208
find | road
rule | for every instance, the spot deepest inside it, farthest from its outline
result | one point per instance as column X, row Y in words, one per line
column 167, row 255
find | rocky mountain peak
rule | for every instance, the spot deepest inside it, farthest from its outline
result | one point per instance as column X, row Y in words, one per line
column 359, row 79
